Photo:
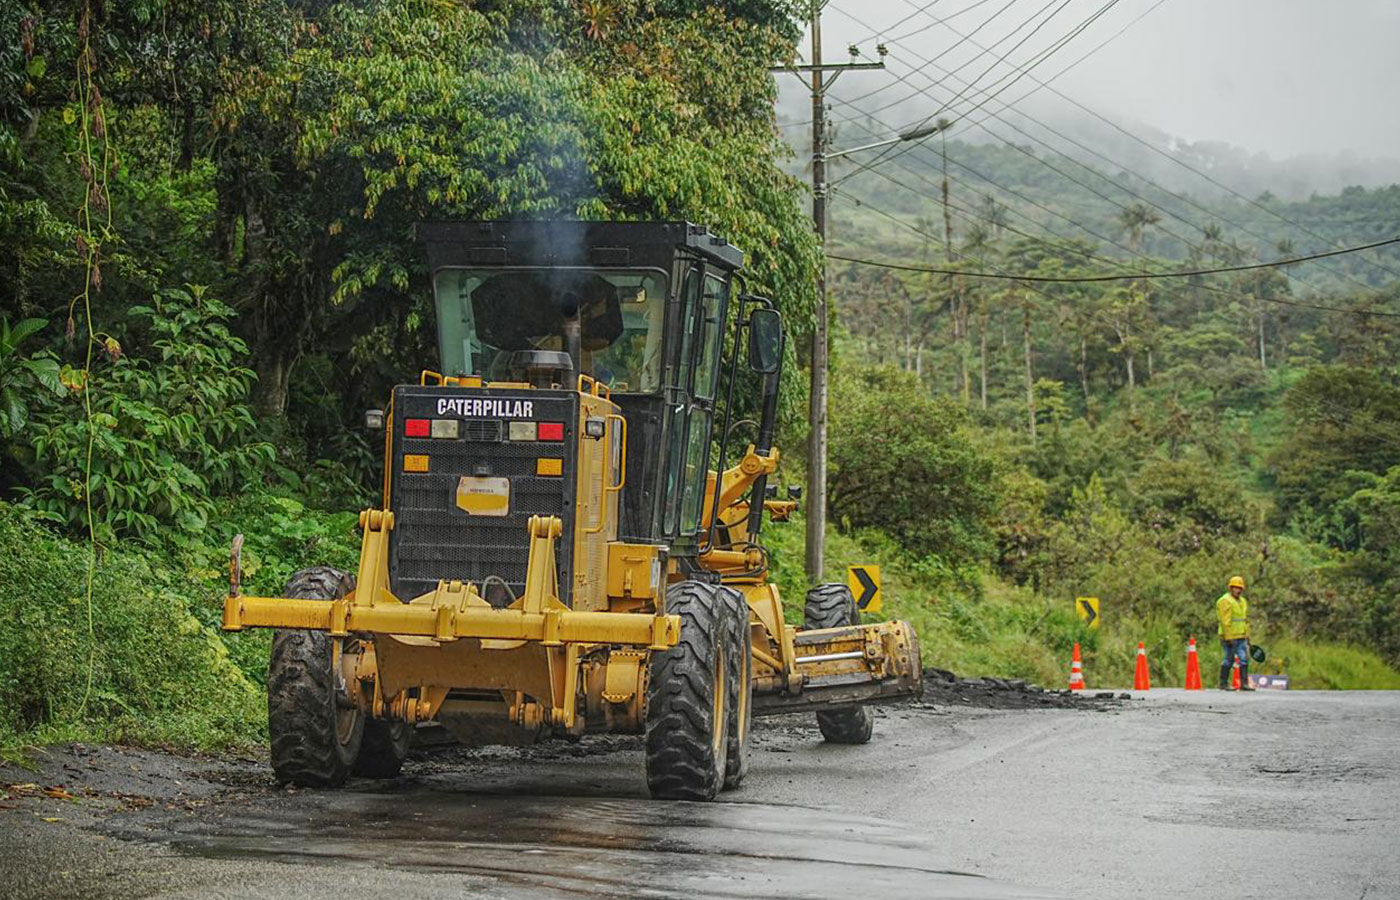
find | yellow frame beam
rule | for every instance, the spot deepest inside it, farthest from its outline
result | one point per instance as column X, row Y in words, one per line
column 453, row 610
column 553, row 626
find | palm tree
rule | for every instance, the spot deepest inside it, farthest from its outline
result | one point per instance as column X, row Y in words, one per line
column 976, row 243
column 1135, row 220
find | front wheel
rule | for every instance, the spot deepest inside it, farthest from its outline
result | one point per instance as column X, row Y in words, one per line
column 688, row 695
column 741, row 689
column 832, row 606
column 316, row 729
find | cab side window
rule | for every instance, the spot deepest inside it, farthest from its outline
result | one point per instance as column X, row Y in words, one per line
column 679, row 415
column 712, row 306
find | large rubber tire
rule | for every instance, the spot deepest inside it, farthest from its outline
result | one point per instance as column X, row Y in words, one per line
column 687, row 712
column 315, row 732
column 384, row 748
column 832, row 606
column 736, row 763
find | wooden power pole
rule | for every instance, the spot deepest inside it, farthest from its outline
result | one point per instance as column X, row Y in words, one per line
column 817, row 406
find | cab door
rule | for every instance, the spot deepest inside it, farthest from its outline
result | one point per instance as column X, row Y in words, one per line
column 704, row 302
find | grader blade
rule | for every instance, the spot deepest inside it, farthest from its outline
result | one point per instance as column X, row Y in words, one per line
column 848, row 666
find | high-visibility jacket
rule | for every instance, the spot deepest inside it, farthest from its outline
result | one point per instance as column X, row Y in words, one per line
column 1233, row 615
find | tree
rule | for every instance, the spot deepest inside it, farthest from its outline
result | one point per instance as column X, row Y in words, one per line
column 901, row 461
column 1134, row 221
column 389, row 112
column 1343, row 421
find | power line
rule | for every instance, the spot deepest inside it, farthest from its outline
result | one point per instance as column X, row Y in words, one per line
column 936, row 22
column 981, row 124
column 1127, row 277
column 1077, row 251
column 1163, row 153
column 1018, row 72
column 1226, row 292
column 1039, row 84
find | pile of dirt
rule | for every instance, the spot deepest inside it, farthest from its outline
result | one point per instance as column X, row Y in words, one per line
column 944, row 688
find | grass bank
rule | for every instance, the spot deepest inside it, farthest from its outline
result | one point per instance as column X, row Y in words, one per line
column 989, row 627
column 144, row 661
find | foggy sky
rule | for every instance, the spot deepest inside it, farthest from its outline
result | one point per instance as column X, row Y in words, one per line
column 1284, row 77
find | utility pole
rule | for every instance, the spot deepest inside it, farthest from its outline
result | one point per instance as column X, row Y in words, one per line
column 817, row 406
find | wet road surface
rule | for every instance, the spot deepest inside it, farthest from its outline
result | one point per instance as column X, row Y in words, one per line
column 1298, row 795
column 583, row 847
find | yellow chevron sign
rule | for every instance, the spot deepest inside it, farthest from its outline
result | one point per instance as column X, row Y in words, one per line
column 864, row 582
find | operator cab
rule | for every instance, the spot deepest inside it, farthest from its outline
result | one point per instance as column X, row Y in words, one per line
column 525, row 325
column 638, row 307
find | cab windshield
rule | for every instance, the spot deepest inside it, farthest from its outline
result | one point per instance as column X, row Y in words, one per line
column 497, row 322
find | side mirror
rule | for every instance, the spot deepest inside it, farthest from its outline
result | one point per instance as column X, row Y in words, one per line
column 794, row 492
column 374, row 420
column 765, row 340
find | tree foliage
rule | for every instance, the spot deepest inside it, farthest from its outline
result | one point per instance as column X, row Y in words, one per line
column 902, row 462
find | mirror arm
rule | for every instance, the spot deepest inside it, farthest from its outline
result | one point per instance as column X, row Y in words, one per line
column 767, row 426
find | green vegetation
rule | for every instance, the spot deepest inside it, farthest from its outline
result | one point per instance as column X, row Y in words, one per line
column 1149, row 437
column 207, row 273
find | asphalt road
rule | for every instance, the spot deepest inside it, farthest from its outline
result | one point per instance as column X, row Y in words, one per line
column 1270, row 795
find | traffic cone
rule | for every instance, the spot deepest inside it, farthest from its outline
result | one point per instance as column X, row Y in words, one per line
column 1076, row 672
column 1235, row 676
column 1193, row 667
column 1141, row 680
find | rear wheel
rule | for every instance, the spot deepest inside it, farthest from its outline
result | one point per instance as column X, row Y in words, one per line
column 832, row 606
column 741, row 689
column 688, row 689
column 316, row 730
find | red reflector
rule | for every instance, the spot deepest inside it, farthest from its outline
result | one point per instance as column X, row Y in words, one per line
column 551, row 431
column 417, row 427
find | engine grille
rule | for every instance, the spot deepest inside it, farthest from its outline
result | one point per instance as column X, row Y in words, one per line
column 433, row 540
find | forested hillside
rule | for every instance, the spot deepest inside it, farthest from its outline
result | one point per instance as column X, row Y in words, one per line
column 207, row 274
column 1151, row 435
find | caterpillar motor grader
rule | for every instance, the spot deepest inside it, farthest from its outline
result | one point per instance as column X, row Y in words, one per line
column 556, row 553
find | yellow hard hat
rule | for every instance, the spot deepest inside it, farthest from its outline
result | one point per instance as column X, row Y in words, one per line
column 1237, row 581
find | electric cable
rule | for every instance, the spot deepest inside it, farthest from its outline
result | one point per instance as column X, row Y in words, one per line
column 1018, row 72
column 1022, row 150
column 1130, row 276
column 1154, row 148
column 945, row 51
column 1094, row 172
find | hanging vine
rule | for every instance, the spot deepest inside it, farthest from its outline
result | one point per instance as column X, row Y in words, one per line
column 94, row 154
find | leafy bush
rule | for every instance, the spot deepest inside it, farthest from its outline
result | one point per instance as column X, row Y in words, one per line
column 1343, row 420
column 142, row 667
column 169, row 430
column 901, row 461
column 20, row 374
column 282, row 535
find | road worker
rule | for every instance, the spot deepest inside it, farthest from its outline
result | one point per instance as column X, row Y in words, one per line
column 1232, row 611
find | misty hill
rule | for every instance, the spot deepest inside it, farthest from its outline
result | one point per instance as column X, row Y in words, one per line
column 1028, row 189
column 1157, row 155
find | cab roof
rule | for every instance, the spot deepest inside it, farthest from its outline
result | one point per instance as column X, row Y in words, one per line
column 569, row 243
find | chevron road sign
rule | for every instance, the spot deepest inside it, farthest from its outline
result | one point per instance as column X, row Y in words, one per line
column 864, row 582
column 1088, row 609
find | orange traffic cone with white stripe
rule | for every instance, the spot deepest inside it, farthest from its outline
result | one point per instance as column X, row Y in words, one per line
column 1235, row 676
column 1076, row 672
column 1141, row 679
column 1193, row 667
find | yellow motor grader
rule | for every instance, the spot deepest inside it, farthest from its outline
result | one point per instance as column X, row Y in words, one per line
column 564, row 545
